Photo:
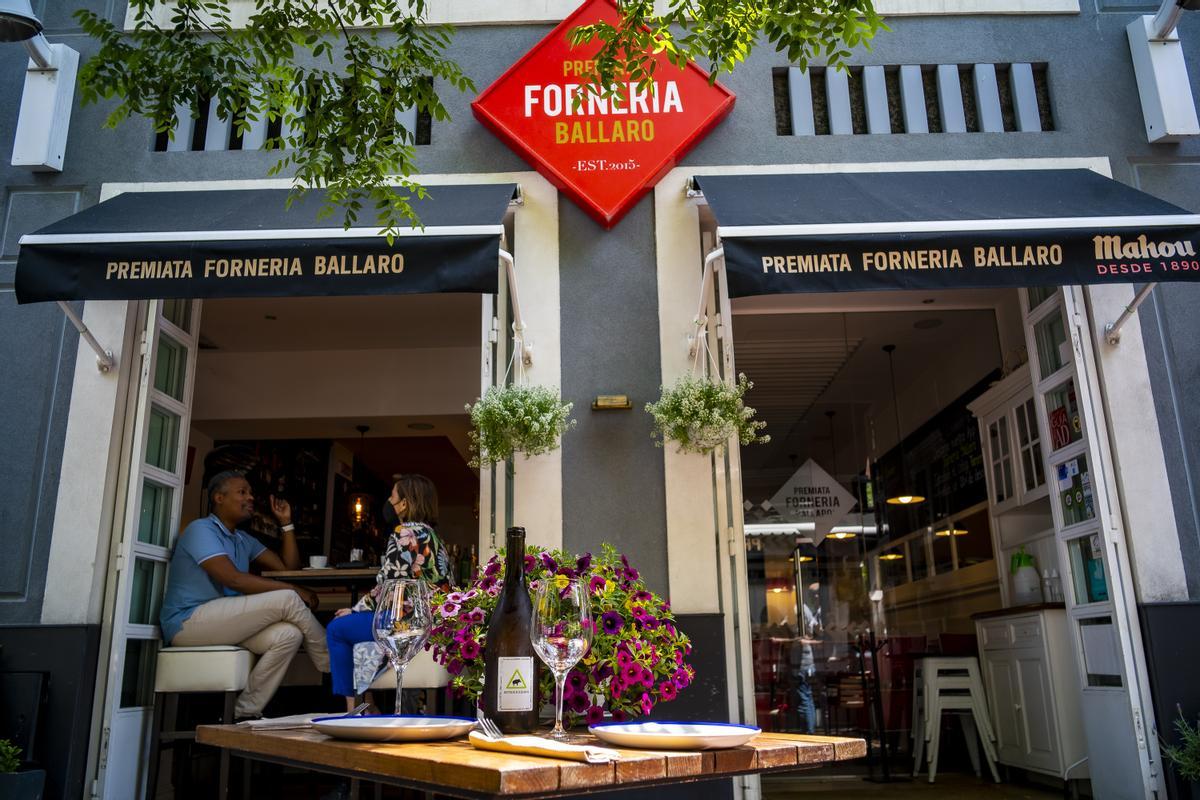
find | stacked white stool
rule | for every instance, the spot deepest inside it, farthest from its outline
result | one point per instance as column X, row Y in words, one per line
column 950, row 684
column 187, row 670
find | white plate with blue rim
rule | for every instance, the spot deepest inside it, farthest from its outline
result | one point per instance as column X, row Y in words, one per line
column 394, row 728
column 674, row 735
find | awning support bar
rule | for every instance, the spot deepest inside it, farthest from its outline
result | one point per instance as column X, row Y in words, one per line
column 1112, row 331
column 701, row 318
column 104, row 358
column 518, row 321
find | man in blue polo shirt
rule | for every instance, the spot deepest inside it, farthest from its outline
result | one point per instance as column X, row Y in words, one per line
column 213, row 598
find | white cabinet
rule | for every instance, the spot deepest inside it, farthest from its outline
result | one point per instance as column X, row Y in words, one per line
column 1033, row 694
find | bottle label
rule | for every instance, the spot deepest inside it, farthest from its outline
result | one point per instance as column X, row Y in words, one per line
column 515, row 684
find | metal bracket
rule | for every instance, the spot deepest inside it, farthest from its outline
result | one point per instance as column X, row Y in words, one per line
column 701, row 318
column 1112, row 331
column 518, row 324
column 104, row 358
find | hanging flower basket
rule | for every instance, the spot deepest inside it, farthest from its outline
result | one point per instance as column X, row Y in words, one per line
column 637, row 655
column 700, row 415
column 517, row 419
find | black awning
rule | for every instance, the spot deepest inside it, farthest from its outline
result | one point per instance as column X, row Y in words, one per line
column 248, row 243
column 870, row 231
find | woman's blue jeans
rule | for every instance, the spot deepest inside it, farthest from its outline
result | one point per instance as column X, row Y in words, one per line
column 342, row 634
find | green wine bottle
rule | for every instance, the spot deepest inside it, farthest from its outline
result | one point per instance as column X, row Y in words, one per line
column 510, row 684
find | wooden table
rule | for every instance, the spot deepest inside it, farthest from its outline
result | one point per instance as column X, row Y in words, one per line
column 457, row 769
column 353, row 579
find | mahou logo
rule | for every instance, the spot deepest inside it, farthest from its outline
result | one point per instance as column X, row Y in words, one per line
column 603, row 152
column 1112, row 248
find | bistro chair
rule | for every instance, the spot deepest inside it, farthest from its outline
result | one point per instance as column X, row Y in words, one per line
column 422, row 673
column 192, row 670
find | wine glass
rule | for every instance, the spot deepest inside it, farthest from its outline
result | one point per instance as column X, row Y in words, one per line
column 561, row 632
column 403, row 619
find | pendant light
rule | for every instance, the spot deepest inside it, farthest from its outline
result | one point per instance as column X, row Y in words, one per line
column 360, row 501
column 903, row 497
column 835, row 534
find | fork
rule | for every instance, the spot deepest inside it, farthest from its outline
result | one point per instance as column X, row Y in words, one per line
column 489, row 728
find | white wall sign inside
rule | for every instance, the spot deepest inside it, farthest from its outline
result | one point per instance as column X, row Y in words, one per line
column 813, row 495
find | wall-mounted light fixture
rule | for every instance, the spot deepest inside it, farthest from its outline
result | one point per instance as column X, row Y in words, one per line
column 45, row 115
column 1168, row 108
column 611, row 402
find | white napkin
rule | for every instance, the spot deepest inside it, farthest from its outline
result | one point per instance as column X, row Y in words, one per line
column 294, row 722
column 540, row 746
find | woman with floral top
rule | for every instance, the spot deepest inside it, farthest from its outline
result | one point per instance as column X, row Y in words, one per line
column 413, row 551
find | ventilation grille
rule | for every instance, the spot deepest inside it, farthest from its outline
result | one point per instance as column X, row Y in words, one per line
column 203, row 128
column 912, row 98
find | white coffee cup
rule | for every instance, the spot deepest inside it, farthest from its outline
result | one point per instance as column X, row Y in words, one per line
column 317, row 562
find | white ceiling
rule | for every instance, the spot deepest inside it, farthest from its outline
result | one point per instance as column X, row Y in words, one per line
column 804, row 364
column 341, row 323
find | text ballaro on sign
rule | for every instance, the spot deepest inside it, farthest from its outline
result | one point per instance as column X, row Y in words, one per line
column 603, row 152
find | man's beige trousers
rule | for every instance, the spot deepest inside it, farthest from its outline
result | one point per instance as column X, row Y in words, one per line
column 272, row 624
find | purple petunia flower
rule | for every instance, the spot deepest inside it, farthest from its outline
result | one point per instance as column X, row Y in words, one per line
column 549, row 563
column 488, row 583
column 632, row 674
column 601, row 672
column 595, row 715
column 624, row 657
column 463, row 635
column 449, row 609
column 492, row 569
column 682, row 678
column 584, row 562
column 642, row 596
column 469, row 650
column 476, row 615
column 647, row 703
column 667, row 691
column 618, row 684
column 596, row 585
column 455, row 597
column 611, row 622
column 530, row 563
column 579, row 703
column 647, row 678
column 619, row 716
column 454, row 667
column 577, row 680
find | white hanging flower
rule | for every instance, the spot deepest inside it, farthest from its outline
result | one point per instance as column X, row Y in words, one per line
column 517, row 419
column 700, row 415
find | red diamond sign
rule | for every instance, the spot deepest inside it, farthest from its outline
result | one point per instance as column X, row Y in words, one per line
column 605, row 153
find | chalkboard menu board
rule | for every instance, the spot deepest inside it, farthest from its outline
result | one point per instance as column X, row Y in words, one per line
column 943, row 460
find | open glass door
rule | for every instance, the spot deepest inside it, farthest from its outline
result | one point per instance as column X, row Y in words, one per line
column 495, row 480
column 149, row 530
column 715, row 358
column 1097, row 582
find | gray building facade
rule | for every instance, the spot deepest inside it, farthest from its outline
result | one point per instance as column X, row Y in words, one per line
column 612, row 476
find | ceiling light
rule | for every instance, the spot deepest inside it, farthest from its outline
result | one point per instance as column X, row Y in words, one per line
column 950, row 532
column 840, row 535
column 891, row 557
column 901, row 497
column 805, row 559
